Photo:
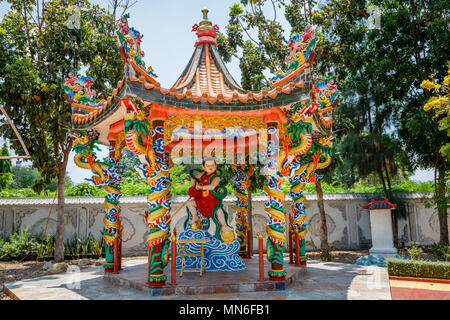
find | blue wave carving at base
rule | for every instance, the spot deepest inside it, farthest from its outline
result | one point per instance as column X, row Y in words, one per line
column 219, row 256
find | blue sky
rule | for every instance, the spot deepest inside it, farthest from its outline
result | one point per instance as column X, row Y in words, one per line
column 168, row 44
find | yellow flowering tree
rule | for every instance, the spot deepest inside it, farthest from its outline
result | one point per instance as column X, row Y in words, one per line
column 440, row 103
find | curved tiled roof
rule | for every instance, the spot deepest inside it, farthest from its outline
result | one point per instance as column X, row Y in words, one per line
column 206, row 75
column 205, row 84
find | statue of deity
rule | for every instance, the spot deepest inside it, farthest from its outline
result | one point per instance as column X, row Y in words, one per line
column 207, row 200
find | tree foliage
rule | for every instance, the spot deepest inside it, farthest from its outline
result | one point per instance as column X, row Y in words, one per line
column 40, row 50
column 41, row 42
column 5, row 167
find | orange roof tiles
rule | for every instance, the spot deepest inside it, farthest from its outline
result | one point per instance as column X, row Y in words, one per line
column 205, row 78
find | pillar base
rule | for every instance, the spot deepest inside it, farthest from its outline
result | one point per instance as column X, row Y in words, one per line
column 108, row 267
column 277, row 275
column 157, row 280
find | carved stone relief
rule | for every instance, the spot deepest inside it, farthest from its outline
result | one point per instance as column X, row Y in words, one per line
column 343, row 242
column 39, row 226
column 95, row 213
column 259, row 225
column 405, row 236
column 364, row 243
column 422, row 237
column 20, row 214
column 128, row 229
column 434, row 222
column 70, row 215
column 314, row 225
column 340, row 208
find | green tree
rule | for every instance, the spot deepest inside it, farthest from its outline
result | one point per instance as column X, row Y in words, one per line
column 5, row 168
column 379, row 70
column 27, row 176
column 440, row 103
column 41, row 42
column 265, row 52
column 127, row 163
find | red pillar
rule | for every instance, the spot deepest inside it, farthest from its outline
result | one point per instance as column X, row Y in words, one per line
column 174, row 260
column 116, row 253
column 261, row 257
column 148, row 264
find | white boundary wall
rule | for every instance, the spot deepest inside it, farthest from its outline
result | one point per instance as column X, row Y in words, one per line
column 348, row 222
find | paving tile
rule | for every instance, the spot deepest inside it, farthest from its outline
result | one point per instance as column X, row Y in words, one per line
column 321, row 281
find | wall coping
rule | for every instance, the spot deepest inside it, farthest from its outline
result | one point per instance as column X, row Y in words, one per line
column 141, row 200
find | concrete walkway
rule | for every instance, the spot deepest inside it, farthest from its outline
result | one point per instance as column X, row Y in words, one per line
column 322, row 281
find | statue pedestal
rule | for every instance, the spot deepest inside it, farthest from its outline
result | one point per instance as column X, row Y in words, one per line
column 381, row 228
column 218, row 256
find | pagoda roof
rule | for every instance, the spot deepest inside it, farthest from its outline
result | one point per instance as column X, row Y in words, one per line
column 205, row 83
column 377, row 205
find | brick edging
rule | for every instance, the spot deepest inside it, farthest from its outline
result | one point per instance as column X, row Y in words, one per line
column 420, row 279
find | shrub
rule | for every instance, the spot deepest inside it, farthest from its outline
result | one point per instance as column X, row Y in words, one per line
column 440, row 251
column 19, row 244
column 48, row 247
column 418, row 268
column 414, row 251
column 23, row 244
column 134, row 189
column 77, row 247
column 95, row 246
column 325, row 254
column 85, row 189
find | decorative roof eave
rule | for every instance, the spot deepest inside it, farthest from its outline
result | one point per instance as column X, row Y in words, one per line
column 85, row 120
column 288, row 94
column 138, row 85
column 250, row 101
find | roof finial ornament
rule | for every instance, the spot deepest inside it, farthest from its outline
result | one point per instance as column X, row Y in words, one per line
column 205, row 30
column 205, row 13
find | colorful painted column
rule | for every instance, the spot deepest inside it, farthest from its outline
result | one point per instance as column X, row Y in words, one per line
column 157, row 214
column 241, row 183
column 113, row 225
column 147, row 142
column 298, row 183
column 276, row 224
column 105, row 174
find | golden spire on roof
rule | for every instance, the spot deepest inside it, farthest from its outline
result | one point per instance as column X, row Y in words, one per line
column 205, row 23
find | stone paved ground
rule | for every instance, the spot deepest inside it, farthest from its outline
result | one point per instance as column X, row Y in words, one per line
column 323, row 281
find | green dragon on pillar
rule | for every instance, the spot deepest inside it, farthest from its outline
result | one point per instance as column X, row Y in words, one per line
column 105, row 174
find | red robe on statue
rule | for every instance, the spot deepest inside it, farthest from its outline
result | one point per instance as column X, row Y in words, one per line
column 204, row 200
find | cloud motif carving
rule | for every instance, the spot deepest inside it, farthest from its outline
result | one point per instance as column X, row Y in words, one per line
column 219, row 256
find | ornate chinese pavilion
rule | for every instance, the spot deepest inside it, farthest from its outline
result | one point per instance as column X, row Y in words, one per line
column 292, row 120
